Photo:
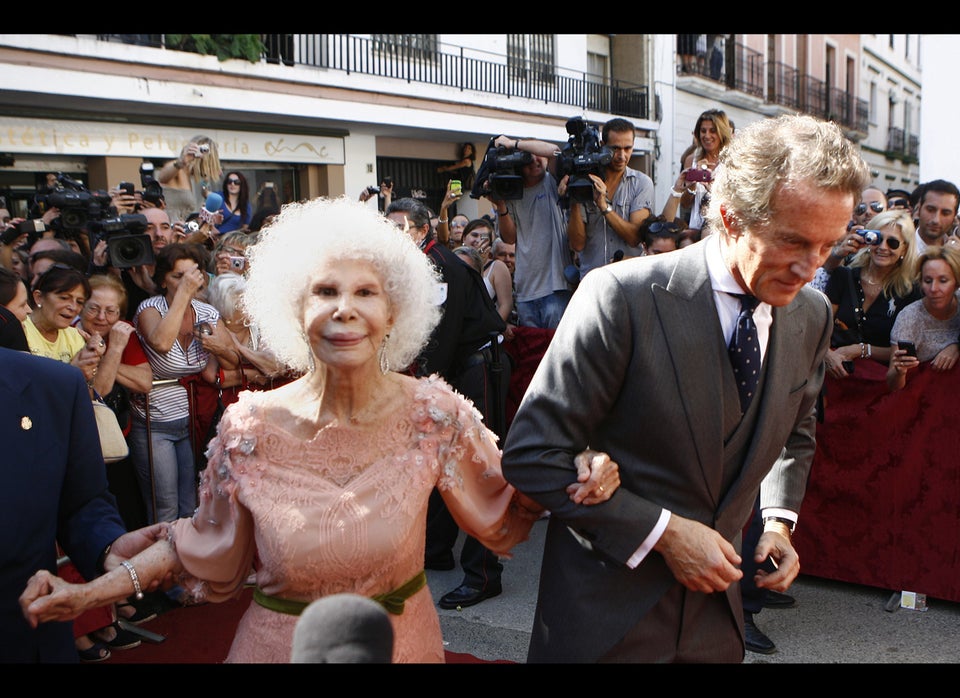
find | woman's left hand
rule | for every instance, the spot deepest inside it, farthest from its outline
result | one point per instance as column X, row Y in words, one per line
column 598, row 477
column 946, row 359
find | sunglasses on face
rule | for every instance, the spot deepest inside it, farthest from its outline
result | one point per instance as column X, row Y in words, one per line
column 875, row 206
column 875, row 237
column 233, row 181
column 897, row 203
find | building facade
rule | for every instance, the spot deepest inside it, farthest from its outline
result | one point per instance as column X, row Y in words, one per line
column 330, row 114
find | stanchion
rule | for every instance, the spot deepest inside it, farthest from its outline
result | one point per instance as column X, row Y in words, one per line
column 496, row 410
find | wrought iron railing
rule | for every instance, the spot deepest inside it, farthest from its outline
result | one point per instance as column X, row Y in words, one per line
column 447, row 66
column 783, row 85
column 901, row 145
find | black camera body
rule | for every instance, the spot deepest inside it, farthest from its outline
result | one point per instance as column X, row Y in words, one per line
column 580, row 157
column 504, row 166
column 128, row 245
column 77, row 209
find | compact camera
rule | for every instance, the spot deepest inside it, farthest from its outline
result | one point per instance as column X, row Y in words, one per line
column 204, row 148
column 202, row 329
column 871, row 237
column 238, row 263
column 700, row 174
column 387, row 182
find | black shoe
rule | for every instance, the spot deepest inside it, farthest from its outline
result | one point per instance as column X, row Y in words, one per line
column 444, row 562
column 464, row 596
column 756, row 640
column 142, row 613
column 122, row 639
column 774, row 599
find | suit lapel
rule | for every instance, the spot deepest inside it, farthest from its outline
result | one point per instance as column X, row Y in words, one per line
column 688, row 318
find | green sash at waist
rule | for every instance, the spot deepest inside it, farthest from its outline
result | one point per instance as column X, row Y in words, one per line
column 392, row 600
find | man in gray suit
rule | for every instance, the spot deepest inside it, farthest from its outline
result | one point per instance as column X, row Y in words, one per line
column 639, row 368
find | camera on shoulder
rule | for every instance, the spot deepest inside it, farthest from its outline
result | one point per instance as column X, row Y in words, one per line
column 580, row 157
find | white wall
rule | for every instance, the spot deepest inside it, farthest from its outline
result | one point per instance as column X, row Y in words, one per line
column 939, row 145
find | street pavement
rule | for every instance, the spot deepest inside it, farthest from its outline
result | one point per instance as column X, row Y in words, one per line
column 832, row 623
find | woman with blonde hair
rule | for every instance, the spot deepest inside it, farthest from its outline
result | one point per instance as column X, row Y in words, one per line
column 932, row 324
column 321, row 486
column 869, row 292
column 189, row 178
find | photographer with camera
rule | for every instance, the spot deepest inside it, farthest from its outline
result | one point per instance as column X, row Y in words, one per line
column 606, row 227
column 189, row 178
column 711, row 135
column 382, row 193
column 869, row 292
column 529, row 216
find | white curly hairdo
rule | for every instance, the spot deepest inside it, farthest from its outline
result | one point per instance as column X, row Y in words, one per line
column 304, row 236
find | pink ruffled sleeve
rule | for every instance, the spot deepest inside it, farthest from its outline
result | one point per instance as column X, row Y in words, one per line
column 216, row 545
column 477, row 495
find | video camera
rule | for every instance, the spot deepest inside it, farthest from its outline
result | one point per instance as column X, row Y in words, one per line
column 128, row 245
column 77, row 205
column 83, row 211
column 582, row 156
column 503, row 165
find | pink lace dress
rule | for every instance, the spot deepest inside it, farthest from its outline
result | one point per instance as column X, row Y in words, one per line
column 342, row 512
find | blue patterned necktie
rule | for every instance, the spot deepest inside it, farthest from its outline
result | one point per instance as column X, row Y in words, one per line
column 744, row 350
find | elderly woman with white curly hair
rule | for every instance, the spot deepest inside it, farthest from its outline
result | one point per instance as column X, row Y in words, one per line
column 321, row 486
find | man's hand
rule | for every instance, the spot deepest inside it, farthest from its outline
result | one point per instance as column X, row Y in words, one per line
column 779, row 548
column 699, row 557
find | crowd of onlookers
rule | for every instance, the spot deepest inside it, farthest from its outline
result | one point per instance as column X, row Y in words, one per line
column 166, row 343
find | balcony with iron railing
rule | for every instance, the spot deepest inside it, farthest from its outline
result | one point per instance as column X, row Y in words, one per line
column 423, row 60
column 433, row 63
column 900, row 146
column 783, row 85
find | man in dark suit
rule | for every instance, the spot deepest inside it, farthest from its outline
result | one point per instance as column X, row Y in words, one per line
column 639, row 368
column 55, row 490
column 461, row 349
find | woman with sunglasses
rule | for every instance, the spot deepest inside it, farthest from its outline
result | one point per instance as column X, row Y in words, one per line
column 932, row 324
column 237, row 211
column 869, row 292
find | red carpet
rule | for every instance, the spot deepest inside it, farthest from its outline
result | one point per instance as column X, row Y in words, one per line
column 202, row 635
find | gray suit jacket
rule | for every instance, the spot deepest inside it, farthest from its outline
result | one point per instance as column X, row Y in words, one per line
column 638, row 369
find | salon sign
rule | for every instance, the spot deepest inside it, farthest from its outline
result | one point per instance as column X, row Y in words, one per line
column 59, row 137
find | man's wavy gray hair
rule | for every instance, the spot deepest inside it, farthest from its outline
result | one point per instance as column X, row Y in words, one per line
column 306, row 235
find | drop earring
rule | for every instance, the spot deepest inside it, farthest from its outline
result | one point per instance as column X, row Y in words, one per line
column 382, row 356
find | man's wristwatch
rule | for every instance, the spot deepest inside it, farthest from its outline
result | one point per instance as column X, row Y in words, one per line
column 780, row 519
column 608, row 209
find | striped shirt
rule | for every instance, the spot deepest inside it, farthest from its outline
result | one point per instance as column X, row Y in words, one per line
column 170, row 402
